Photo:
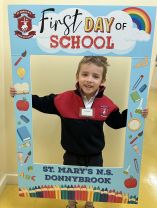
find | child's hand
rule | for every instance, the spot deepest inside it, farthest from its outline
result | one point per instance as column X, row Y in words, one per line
column 13, row 91
column 144, row 112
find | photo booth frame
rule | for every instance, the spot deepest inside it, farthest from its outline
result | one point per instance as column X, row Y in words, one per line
column 81, row 31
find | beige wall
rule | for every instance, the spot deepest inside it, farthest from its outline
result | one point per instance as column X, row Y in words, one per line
column 8, row 139
column 2, row 109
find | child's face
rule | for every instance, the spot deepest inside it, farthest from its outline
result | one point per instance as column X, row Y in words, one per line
column 90, row 78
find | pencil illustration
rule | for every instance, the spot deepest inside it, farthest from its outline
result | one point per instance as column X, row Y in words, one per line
column 63, row 192
column 83, row 193
column 57, row 192
column 97, row 194
column 125, row 198
column 132, row 200
column 45, row 191
column 77, row 193
column 119, row 197
column 21, row 193
column 137, row 82
column 32, row 192
column 39, row 192
column 71, row 193
column 104, row 195
column 112, row 196
column 90, row 194
column 25, row 192
column 51, row 192
column 109, row 196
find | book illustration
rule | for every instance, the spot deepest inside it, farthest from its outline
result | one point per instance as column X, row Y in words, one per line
column 135, row 96
column 23, row 133
column 22, row 88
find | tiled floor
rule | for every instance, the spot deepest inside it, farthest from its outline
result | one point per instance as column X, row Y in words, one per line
column 148, row 183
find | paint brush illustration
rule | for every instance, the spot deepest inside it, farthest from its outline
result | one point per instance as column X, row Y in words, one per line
column 19, row 59
column 139, row 134
column 137, row 82
column 27, row 157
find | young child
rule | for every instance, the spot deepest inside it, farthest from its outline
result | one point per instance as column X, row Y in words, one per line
column 83, row 112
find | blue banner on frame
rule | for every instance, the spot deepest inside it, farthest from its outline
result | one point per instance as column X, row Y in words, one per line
column 77, row 30
column 81, row 31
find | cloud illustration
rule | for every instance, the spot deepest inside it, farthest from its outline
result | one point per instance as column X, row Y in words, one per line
column 123, row 33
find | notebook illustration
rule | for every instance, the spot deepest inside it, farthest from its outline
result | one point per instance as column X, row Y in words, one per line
column 23, row 133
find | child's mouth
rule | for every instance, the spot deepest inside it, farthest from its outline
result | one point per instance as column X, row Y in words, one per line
column 88, row 86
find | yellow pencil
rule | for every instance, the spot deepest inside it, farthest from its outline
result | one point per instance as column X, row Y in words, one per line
column 57, row 192
column 90, row 194
column 125, row 198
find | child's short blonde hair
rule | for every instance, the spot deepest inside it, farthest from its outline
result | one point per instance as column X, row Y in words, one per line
column 98, row 61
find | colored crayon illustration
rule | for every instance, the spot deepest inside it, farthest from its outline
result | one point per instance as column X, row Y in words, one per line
column 79, row 193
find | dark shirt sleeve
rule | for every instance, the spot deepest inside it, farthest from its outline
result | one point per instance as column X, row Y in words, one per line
column 117, row 120
column 44, row 104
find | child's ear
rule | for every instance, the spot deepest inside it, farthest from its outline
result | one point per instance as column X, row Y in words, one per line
column 103, row 81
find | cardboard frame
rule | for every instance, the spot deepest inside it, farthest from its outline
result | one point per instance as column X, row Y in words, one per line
column 81, row 30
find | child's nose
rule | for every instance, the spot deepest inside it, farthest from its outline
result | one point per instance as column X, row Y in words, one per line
column 89, row 78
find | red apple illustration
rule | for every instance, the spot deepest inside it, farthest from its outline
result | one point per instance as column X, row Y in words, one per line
column 22, row 105
column 130, row 182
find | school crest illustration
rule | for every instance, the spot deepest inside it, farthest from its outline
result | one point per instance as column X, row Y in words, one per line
column 24, row 24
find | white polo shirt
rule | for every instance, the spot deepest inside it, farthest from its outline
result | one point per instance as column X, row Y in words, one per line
column 88, row 103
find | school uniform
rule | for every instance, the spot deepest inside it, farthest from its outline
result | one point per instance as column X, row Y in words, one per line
column 82, row 120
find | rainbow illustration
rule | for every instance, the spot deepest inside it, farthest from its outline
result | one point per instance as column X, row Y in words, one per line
column 140, row 18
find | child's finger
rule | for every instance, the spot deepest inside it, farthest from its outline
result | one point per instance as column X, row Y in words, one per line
column 12, row 91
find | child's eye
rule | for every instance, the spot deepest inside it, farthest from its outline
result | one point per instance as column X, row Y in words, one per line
column 96, row 77
column 84, row 74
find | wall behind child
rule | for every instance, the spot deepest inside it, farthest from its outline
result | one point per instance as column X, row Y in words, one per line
column 11, row 165
column 2, row 109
